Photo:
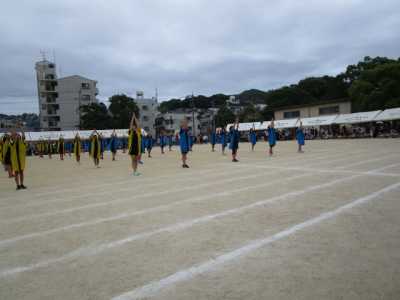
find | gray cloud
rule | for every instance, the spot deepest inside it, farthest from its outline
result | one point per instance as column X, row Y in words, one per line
column 182, row 46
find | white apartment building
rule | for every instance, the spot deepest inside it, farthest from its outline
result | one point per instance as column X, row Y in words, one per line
column 170, row 121
column 60, row 98
column 148, row 108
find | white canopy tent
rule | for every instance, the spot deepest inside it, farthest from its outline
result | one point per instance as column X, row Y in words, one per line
column 388, row 115
column 361, row 117
column 250, row 125
column 318, row 121
column 287, row 123
column 34, row 136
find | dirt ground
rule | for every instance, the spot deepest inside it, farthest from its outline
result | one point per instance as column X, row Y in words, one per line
column 323, row 224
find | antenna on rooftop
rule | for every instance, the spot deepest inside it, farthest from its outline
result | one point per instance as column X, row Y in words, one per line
column 43, row 54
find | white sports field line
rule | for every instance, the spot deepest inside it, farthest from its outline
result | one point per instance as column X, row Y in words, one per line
column 101, row 192
column 125, row 215
column 90, row 251
column 154, row 287
column 376, row 172
column 9, row 241
column 94, row 185
column 362, row 162
column 128, row 199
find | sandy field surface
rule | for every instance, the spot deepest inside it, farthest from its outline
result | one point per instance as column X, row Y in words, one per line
column 324, row 224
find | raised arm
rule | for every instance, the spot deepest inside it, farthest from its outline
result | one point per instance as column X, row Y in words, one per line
column 137, row 122
column 132, row 120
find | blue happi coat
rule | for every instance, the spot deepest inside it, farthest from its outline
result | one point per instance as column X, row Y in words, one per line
column 253, row 137
column 271, row 136
column 184, row 140
column 234, row 139
column 149, row 143
column 113, row 144
column 213, row 138
column 300, row 136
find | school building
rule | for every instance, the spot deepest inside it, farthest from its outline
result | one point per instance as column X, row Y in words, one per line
column 313, row 110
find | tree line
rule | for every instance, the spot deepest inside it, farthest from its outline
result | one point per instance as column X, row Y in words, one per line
column 373, row 83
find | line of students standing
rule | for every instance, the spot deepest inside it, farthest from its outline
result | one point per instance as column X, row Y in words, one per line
column 13, row 147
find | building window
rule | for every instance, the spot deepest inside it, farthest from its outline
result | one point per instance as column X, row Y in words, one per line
column 85, row 86
column 44, row 119
column 86, row 97
column 291, row 114
column 147, row 129
column 51, row 66
column 145, row 118
column 144, row 107
column 44, row 106
column 329, row 110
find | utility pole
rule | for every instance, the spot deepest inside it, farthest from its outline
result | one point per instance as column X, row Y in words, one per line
column 193, row 107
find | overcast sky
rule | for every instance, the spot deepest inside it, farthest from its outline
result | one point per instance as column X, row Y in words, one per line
column 186, row 46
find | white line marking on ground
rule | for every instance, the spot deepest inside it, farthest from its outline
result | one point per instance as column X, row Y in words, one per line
column 9, row 241
column 365, row 162
column 376, row 172
column 92, row 186
column 127, row 199
column 154, row 287
column 90, row 251
column 100, row 192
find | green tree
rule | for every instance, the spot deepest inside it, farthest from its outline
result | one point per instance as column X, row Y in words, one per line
column 121, row 109
column 250, row 114
column 224, row 116
column 376, row 87
column 95, row 115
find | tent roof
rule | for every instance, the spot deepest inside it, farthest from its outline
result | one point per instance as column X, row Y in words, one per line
column 360, row 117
column 318, row 121
column 388, row 114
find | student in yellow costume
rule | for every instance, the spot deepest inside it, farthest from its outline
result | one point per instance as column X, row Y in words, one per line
column 18, row 154
column 6, row 155
column 134, row 143
column 49, row 147
column 61, row 147
column 77, row 148
column 40, row 147
column 95, row 148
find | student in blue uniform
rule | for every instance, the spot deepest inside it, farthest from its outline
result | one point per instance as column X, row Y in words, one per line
column 142, row 149
column 252, row 138
column 234, row 140
column 213, row 139
column 149, row 144
column 271, row 136
column 300, row 137
column 113, row 144
column 184, row 142
column 223, row 139
column 162, row 142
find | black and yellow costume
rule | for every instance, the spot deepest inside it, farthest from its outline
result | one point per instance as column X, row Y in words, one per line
column 134, row 142
column 18, row 154
column 77, row 146
column 95, row 147
column 6, row 152
column 61, row 146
